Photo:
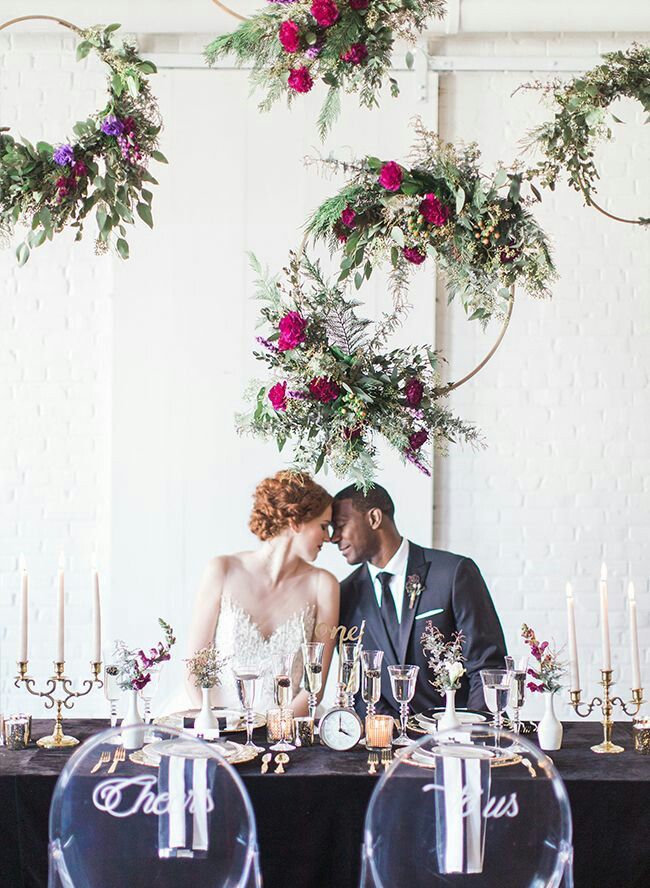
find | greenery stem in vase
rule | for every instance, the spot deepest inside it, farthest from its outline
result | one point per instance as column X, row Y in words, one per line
column 205, row 668
column 445, row 659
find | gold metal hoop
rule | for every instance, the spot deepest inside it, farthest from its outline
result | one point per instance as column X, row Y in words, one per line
column 242, row 18
column 47, row 18
column 592, row 203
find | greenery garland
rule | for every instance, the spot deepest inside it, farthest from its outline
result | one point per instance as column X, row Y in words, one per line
column 346, row 43
column 104, row 168
column 582, row 119
column 478, row 228
column 333, row 388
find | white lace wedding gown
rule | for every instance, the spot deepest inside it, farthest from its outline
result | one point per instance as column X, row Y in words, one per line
column 239, row 637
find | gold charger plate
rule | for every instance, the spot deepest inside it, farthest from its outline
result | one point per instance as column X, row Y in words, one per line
column 175, row 720
column 241, row 755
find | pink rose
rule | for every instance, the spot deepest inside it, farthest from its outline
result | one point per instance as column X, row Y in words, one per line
column 412, row 254
column 348, row 216
column 356, row 54
column 433, row 211
column 417, row 439
column 414, row 391
column 324, row 390
column 278, row 397
column 325, row 12
column 391, row 176
column 292, row 331
column 300, row 80
column 289, row 36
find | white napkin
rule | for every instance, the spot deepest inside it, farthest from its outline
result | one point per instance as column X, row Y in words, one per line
column 183, row 827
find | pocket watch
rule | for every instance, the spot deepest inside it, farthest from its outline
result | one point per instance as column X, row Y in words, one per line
column 340, row 727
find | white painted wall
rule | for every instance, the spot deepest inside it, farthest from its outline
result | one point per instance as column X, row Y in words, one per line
column 119, row 380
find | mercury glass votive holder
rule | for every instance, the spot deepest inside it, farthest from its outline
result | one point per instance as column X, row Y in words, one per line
column 641, row 735
column 303, row 728
column 17, row 731
column 273, row 725
column 379, row 731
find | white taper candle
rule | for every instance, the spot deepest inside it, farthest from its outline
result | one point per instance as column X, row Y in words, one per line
column 604, row 619
column 24, row 611
column 573, row 643
column 60, row 635
column 97, row 619
column 634, row 639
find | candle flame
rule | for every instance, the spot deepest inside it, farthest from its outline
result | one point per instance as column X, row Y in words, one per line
column 630, row 591
column 603, row 573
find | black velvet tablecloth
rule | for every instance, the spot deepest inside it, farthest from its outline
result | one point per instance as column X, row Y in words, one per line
column 310, row 820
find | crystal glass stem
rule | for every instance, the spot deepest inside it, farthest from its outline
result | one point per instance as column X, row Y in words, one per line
column 250, row 720
column 403, row 740
column 312, row 703
column 349, row 701
column 113, row 713
column 370, row 708
column 498, row 720
column 147, row 710
column 516, row 727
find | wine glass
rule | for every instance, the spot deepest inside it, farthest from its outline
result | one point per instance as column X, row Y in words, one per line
column 282, row 689
column 312, row 655
column 350, row 671
column 518, row 666
column 496, row 689
column 402, row 680
column 112, row 693
column 248, row 679
column 371, row 679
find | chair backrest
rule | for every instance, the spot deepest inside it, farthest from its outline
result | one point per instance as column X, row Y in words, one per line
column 469, row 807
column 171, row 812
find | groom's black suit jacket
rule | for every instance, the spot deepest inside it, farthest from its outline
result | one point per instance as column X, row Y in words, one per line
column 449, row 582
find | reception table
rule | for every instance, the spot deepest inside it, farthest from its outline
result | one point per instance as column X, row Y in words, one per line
column 310, row 820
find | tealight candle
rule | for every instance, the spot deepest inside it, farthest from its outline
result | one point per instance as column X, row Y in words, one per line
column 273, row 725
column 379, row 731
column 303, row 731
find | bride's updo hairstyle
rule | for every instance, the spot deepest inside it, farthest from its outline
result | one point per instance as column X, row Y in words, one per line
column 286, row 498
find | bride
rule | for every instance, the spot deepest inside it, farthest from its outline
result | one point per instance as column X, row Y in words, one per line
column 260, row 604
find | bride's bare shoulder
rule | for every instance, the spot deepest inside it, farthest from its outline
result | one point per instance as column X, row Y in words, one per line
column 221, row 566
column 325, row 583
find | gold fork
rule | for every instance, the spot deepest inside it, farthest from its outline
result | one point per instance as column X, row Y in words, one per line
column 104, row 759
column 119, row 756
column 373, row 761
column 386, row 758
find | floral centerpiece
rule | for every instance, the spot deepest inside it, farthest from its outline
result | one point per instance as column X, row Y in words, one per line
column 347, row 44
column 102, row 170
column 445, row 659
column 333, row 387
column 205, row 667
column 134, row 665
column 547, row 675
column 477, row 227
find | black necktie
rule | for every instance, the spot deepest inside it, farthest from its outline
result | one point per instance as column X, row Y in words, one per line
column 388, row 611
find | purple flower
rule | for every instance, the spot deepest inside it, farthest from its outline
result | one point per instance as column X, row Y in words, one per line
column 314, row 51
column 417, row 439
column 297, row 395
column 412, row 458
column 140, row 682
column 414, row 391
column 267, row 345
column 112, row 126
column 64, row 154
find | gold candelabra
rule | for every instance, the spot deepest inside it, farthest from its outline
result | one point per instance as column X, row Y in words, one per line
column 607, row 704
column 65, row 698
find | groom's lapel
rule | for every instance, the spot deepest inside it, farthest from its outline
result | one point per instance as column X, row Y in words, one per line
column 374, row 623
column 418, row 566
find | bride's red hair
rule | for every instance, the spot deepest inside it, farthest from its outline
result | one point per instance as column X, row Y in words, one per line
column 288, row 498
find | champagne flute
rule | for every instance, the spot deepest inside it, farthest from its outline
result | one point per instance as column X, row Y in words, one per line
column 282, row 688
column 403, row 680
column 248, row 680
column 371, row 679
column 350, row 671
column 496, row 689
column 112, row 693
column 312, row 655
column 518, row 666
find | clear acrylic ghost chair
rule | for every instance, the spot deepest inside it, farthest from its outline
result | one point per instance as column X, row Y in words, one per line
column 458, row 810
column 177, row 815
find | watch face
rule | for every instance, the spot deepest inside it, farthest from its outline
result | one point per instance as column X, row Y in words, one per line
column 340, row 729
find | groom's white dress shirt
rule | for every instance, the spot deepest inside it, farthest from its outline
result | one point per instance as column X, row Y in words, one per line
column 397, row 567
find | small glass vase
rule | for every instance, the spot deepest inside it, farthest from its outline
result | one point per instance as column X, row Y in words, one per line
column 449, row 720
column 549, row 730
column 132, row 723
column 205, row 719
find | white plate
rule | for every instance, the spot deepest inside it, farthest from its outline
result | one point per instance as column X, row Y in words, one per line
column 188, row 749
column 234, row 719
column 428, row 757
column 465, row 718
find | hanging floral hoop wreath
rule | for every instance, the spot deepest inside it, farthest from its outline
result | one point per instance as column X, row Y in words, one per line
column 103, row 169
column 347, row 44
column 582, row 119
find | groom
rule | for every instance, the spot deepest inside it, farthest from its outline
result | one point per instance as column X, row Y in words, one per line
column 400, row 586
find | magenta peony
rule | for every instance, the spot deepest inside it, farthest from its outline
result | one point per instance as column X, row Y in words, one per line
column 414, row 391
column 433, row 211
column 356, row 54
column 300, row 80
column 325, row 12
column 348, row 216
column 417, row 439
column 289, row 36
column 324, row 390
column 359, row 4
column 278, row 397
column 412, row 254
column 391, row 176
column 292, row 331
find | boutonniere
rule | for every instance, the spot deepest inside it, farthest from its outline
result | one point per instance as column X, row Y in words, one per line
column 413, row 589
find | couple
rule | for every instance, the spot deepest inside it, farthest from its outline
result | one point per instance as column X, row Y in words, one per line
column 257, row 604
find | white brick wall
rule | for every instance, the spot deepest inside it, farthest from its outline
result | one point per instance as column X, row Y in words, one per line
column 141, row 475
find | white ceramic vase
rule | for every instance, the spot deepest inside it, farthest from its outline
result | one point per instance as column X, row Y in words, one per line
column 449, row 720
column 132, row 724
column 205, row 720
column 549, row 730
